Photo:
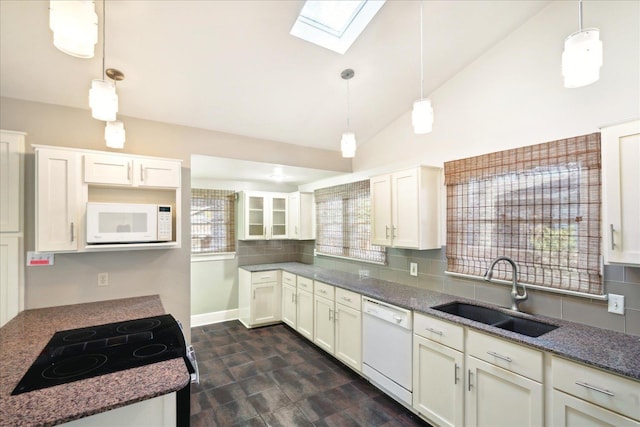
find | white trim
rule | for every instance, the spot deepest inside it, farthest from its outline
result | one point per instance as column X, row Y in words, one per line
column 197, row 257
column 366, row 261
column 213, row 317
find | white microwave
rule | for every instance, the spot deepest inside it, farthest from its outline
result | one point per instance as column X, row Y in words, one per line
column 128, row 223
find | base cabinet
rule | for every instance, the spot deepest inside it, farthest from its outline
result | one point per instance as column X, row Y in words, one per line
column 348, row 320
column 324, row 327
column 259, row 300
column 304, row 306
column 289, row 305
column 569, row 411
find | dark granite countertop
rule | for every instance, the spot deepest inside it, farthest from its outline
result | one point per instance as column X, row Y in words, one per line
column 609, row 350
column 22, row 339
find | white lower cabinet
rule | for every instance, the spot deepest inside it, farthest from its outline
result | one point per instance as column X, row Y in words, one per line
column 569, row 411
column 348, row 319
column 324, row 331
column 289, row 306
column 304, row 306
column 259, row 301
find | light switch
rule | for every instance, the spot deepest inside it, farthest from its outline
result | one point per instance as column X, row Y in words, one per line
column 616, row 304
column 413, row 268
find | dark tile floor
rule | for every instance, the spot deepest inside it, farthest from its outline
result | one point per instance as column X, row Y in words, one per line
column 271, row 376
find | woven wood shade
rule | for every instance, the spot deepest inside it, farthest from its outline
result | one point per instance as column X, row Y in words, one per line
column 343, row 221
column 539, row 205
column 212, row 221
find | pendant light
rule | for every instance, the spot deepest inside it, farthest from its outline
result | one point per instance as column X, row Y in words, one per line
column 75, row 26
column 422, row 114
column 114, row 134
column 103, row 98
column 582, row 55
column 348, row 142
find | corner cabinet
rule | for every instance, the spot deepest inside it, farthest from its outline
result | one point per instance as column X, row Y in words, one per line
column 405, row 208
column 259, row 300
column 301, row 216
column 620, row 197
column 67, row 179
column 262, row 215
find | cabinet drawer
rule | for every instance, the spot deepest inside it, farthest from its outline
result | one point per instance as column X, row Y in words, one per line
column 305, row 284
column 348, row 298
column 264, row 276
column 324, row 290
column 288, row 278
column 440, row 331
column 511, row 356
column 611, row 391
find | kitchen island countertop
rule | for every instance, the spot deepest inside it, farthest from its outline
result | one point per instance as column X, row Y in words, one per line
column 22, row 339
column 609, row 350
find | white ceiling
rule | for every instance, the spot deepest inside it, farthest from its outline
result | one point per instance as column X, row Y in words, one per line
column 232, row 66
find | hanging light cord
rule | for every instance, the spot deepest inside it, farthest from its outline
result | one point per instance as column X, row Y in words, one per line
column 104, row 30
column 421, row 57
column 348, row 107
column 580, row 15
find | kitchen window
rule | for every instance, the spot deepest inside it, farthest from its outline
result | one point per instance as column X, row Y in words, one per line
column 212, row 221
column 539, row 205
column 343, row 221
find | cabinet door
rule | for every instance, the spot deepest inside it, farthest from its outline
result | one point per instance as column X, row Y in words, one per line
column 254, row 215
column 381, row 231
column 499, row 398
column 56, row 201
column 438, row 382
column 265, row 303
column 289, row 312
column 348, row 339
column 278, row 217
column 305, row 314
column 157, row 173
column 106, row 169
column 10, row 266
column 569, row 411
column 294, row 215
column 621, row 200
column 405, row 209
column 11, row 152
column 324, row 328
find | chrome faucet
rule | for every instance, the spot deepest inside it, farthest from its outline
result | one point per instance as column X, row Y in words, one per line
column 515, row 297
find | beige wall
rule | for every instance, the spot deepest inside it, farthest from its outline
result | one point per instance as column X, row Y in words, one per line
column 73, row 278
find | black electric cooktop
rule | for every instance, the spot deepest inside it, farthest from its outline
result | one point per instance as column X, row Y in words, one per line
column 78, row 354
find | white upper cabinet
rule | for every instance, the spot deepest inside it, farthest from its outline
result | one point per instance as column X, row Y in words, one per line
column 620, row 196
column 11, row 159
column 122, row 170
column 262, row 215
column 301, row 216
column 405, row 208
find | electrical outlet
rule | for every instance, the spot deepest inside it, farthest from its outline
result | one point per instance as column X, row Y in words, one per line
column 413, row 268
column 103, row 279
column 363, row 274
column 616, row 304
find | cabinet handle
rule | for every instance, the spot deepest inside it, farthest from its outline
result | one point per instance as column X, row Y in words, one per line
column 499, row 356
column 594, row 388
column 254, row 294
column 346, row 299
column 72, row 232
column 386, row 228
column 613, row 242
column 469, row 382
column 435, row 331
column 455, row 373
column 129, row 171
column 393, row 232
column 141, row 173
column 322, row 291
column 330, row 314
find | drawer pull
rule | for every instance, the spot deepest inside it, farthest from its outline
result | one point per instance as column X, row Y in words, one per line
column 435, row 331
column 469, row 381
column 346, row 299
column 322, row 291
column 499, row 356
column 455, row 373
column 590, row 387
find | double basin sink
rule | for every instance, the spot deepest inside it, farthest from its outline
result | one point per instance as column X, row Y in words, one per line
column 489, row 316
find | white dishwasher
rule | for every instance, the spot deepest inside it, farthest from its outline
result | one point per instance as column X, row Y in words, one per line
column 387, row 348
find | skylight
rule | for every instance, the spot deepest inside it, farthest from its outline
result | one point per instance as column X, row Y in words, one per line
column 334, row 25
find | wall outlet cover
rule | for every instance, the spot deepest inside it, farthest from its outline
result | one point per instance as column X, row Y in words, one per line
column 616, row 304
column 39, row 258
column 413, row 268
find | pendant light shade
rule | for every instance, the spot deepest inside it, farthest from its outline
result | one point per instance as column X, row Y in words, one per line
column 422, row 116
column 348, row 145
column 75, row 26
column 582, row 58
column 114, row 134
column 103, row 100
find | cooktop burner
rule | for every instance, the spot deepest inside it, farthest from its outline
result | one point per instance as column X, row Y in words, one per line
column 78, row 354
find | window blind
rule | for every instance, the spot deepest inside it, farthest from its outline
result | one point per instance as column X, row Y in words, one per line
column 539, row 205
column 343, row 221
column 212, row 221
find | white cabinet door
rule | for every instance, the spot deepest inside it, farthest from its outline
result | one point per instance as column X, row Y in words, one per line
column 57, row 188
column 569, row 411
column 11, row 159
column 265, row 305
column 348, row 338
column 620, row 196
column 405, row 209
column 305, row 314
column 263, row 215
column 278, row 216
column 156, row 173
column 381, row 221
column 324, row 325
column 10, row 265
column 108, row 169
column 289, row 312
column 438, row 382
column 499, row 398
column 301, row 216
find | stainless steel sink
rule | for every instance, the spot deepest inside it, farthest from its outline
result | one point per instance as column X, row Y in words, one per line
column 489, row 316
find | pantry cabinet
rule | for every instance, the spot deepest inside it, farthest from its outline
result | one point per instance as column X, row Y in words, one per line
column 405, row 208
column 301, row 216
column 259, row 298
column 620, row 196
column 122, row 170
column 11, row 164
column 262, row 215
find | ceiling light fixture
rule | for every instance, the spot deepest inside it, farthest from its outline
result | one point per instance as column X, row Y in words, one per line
column 422, row 114
column 348, row 142
column 75, row 26
column 114, row 134
column 582, row 55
